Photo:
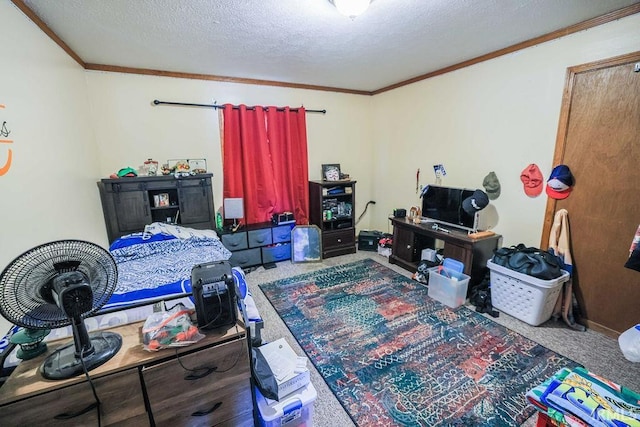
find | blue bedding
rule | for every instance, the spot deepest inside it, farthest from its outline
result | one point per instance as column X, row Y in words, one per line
column 159, row 265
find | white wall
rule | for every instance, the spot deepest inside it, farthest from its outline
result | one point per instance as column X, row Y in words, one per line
column 499, row 115
column 129, row 129
column 49, row 192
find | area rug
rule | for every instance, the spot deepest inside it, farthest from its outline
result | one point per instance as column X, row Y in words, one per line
column 393, row 356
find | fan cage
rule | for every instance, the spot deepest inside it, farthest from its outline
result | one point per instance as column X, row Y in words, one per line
column 21, row 283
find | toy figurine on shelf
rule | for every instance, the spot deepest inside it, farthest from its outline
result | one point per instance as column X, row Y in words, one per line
column 151, row 167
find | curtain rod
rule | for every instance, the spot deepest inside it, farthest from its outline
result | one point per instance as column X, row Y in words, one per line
column 235, row 107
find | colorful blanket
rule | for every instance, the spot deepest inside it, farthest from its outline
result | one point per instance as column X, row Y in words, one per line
column 577, row 397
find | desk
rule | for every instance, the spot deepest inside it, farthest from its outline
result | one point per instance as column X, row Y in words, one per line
column 410, row 239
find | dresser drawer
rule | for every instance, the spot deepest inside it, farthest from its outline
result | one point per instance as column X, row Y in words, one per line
column 259, row 238
column 196, row 400
column 282, row 233
column 229, row 407
column 333, row 239
column 234, row 241
column 276, row 253
column 120, row 395
column 246, row 258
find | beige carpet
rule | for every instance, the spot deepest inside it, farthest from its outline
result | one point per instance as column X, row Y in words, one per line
column 597, row 352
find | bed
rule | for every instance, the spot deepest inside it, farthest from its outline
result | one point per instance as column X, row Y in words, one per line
column 154, row 265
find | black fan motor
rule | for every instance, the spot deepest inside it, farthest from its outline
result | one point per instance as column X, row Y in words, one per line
column 72, row 293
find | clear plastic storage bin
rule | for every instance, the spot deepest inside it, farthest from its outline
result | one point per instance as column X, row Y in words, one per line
column 448, row 286
column 293, row 410
column 522, row 296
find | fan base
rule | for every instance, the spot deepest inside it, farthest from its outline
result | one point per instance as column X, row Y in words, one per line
column 29, row 352
column 63, row 363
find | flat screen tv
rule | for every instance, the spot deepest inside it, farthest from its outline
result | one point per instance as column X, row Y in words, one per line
column 444, row 205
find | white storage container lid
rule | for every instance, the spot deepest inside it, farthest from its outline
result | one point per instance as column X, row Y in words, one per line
column 629, row 342
column 291, row 402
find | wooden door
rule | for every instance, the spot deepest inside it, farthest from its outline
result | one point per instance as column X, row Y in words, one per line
column 599, row 139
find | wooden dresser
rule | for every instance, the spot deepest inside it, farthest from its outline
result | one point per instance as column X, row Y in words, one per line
column 141, row 388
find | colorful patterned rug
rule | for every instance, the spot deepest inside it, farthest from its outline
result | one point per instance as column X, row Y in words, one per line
column 394, row 356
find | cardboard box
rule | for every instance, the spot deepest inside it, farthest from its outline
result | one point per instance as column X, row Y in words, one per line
column 288, row 370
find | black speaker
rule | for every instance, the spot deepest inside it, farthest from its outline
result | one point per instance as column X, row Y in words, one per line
column 399, row 213
column 214, row 294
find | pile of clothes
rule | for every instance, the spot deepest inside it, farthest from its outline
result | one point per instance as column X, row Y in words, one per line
column 577, row 397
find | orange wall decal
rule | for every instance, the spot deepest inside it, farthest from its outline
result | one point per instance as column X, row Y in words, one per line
column 5, row 133
column 4, row 169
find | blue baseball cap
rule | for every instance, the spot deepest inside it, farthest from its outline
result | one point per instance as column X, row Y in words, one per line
column 476, row 202
column 560, row 182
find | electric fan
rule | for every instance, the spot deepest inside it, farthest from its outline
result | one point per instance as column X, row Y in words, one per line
column 58, row 284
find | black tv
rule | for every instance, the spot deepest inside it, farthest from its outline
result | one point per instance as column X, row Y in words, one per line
column 444, row 205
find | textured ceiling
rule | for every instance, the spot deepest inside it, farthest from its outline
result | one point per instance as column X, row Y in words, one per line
column 304, row 41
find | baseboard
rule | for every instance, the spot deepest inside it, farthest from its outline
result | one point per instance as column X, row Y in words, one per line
column 599, row 328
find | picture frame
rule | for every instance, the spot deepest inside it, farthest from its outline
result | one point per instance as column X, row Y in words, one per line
column 306, row 244
column 178, row 165
column 331, row 172
column 198, row 165
column 163, row 200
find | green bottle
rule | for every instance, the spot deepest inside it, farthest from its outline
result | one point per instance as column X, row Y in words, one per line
column 219, row 221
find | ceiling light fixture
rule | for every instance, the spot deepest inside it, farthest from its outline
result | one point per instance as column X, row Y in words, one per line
column 351, row 8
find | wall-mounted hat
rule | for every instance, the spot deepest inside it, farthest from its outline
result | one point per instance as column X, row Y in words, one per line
column 477, row 201
column 560, row 182
column 532, row 179
column 491, row 186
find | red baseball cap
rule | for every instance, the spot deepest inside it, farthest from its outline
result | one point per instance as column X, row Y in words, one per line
column 532, row 179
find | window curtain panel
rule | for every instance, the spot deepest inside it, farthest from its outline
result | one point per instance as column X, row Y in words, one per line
column 265, row 161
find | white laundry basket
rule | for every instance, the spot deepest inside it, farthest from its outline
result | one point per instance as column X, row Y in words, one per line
column 522, row 296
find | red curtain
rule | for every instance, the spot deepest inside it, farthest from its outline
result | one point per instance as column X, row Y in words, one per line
column 265, row 161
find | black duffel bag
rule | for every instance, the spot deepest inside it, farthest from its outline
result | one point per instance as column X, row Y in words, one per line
column 528, row 260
